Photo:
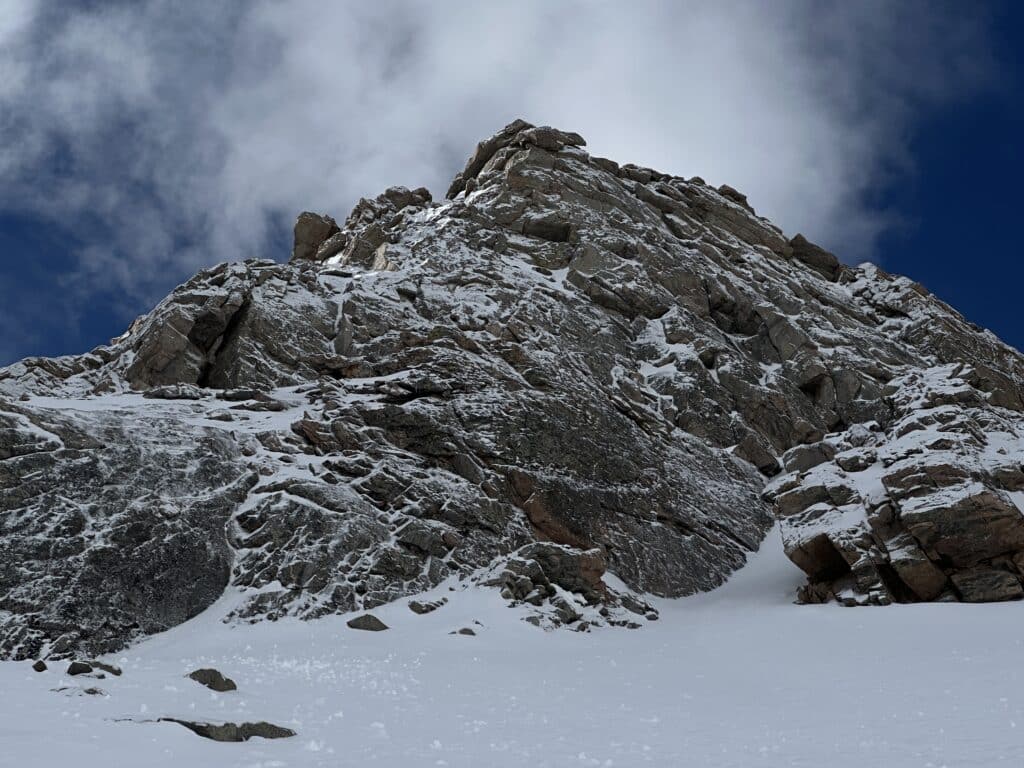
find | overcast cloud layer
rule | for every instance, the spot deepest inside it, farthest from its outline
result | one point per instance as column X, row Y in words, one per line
column 163, row 136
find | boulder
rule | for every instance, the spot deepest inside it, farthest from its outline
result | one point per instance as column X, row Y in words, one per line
column 754, row 449
column 924, row 579
column 569, row 568
column 816, row 257
column 367, row 622
column 965, row 524
column 803, row 457
column 311, row 231
column 213, row 680
column 421, row 607
column 987, row 585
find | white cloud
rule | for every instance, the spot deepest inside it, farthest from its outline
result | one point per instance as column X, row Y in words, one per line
column 175, row 135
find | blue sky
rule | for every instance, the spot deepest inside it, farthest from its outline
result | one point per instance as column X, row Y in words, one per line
column 140, row 141
column 960, row 202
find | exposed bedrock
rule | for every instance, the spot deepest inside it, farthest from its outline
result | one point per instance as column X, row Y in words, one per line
column 598, row 358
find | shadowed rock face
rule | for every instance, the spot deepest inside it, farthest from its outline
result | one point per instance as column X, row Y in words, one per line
column 111, row 525
column 602, row 358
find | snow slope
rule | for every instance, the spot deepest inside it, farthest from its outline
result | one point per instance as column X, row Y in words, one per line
column 736, row 677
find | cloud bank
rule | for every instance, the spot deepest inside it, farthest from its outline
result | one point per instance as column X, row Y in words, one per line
column 163, row 136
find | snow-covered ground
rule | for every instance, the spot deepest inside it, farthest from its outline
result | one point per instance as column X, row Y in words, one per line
column 737, row 677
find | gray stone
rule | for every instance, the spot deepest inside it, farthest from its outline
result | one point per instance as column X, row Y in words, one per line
column 985, row 585
column 232, row 731
column 311, row 231
column 421, row 607
column 737, row 197
column 213, row 680
column 803, row 457
column 367, row 622
column 754, row 449
column 856, row 460
column 816, row 257
column 966, row 525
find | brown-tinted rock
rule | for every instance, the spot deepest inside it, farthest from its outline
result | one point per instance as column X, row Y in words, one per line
column 965, row 524
column 816, row 257
column 924, row 579
column 753, row 448
column 571, row 569
column 311, row 231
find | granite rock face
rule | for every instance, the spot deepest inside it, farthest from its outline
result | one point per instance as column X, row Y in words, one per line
column 567, row 367
column 925, row 506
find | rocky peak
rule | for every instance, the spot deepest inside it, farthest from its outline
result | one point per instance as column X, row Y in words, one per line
column 566, row 368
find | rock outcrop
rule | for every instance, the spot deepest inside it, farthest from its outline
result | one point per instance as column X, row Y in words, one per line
column 567, row 367
column 924, row 507
column 232, row 731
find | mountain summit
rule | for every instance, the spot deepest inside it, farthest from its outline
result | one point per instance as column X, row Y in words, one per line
column 567, row 370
